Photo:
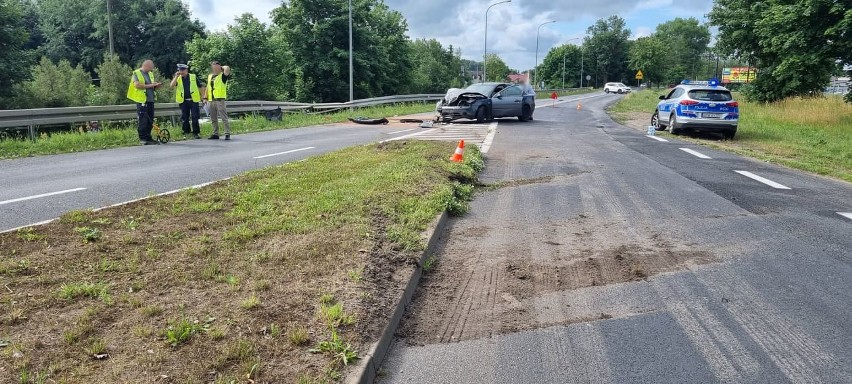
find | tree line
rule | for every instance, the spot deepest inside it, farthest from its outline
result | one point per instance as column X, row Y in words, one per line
column 56, row 52
column 795, row 46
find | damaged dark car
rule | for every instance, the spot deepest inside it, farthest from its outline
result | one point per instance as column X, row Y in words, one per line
column 486, row 101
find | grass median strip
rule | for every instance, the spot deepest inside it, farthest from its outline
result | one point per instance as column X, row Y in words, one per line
column 811, row 134
column 124, row 134
column 236, row 281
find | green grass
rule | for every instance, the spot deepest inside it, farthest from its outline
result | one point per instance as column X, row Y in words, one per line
column 310, row 231
column 181, row 330
column 641, row 101
column 91, row 290
column 568, row 92
column 122, row 135
column 810, row 134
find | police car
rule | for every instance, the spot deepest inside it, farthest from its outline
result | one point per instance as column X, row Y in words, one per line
column 698, row 106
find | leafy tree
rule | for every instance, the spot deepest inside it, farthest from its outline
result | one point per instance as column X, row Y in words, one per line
column 253, row 52
column 13, row 37
column 649, row 54
column 795, row 44
column 316, row 33
column 435, row 68
column 114, row 77
column 685, row 41
column 67, row 27
column 607, row 45
column 58, row 85
column 551, row 68
column 142, row 29
column 495, row 68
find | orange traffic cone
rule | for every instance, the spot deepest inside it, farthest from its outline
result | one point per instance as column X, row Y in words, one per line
column 579, row 107
column 458, row 157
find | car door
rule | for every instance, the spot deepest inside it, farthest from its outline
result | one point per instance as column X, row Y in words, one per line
column 500, row 103
column 513, row 101
column 667, row 106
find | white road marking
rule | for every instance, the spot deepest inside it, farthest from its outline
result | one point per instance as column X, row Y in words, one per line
column 658, row 138
column 28, row 225
column 847, row 215
column 762, row 180
column 410, row 135
column 41, row 195
column 695, row 153
column 284, row 153
column 395, row 132
column 492, row 131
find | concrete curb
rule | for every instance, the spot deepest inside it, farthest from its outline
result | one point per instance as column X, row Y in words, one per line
column 368, row 366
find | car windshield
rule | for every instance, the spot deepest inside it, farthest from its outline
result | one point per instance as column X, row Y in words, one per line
column 621, row 85
column 481, row 88
column 710, row 95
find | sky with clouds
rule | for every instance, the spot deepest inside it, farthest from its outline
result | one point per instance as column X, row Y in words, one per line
column 511, row 26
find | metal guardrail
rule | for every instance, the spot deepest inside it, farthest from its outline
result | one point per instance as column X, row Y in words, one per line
column 30, row 118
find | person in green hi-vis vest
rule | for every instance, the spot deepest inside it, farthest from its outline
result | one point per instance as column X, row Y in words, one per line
column 188, row 94
column 217, row 95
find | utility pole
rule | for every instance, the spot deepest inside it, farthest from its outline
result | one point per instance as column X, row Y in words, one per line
column 109, row 27
column 351, row 71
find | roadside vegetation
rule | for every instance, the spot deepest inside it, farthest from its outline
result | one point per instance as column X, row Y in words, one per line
column 811, row 134
column 124, row 134
column 563, row 93
column 279, row 275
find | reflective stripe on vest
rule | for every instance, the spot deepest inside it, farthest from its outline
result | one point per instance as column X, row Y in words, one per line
column 220, row 89
column 193, row 89
column 138, row 95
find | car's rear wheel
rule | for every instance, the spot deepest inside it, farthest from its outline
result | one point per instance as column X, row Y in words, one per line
column 481, row 114
column 655, row 121
column 526, row 113
column 673, row 124
column 606, row 90
column 729, row 134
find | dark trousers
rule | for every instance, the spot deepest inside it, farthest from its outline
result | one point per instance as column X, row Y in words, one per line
column 145, row 113
column 189, row 109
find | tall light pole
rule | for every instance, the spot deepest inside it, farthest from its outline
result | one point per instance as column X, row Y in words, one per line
column 563, row 62
column 109, row 28
column 485, row 50
column 351, row 71
column 535, row 74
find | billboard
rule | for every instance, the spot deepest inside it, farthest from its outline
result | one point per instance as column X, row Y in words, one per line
column 738, row 75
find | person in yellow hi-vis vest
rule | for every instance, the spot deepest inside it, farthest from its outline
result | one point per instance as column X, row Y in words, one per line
column 188, row 94
column 216, row 96
column 141, row 91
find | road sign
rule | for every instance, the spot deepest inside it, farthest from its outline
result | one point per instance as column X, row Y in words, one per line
column 639, row 75
column 588, row 77
column 554, row 96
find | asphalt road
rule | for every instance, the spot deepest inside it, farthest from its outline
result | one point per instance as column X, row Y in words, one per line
column 602, row 255
column 42, row 188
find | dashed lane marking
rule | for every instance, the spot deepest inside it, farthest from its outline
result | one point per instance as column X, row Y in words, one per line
column 847, row 215
column 762, row 180
column 695, row 153
column 658, row 138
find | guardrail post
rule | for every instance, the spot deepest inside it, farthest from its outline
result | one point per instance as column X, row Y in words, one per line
column 32, row 132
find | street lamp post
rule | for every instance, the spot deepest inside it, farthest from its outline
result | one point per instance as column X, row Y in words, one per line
column 109, row 28
column 538, row 31
column 485, row 50
column 563, row 64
